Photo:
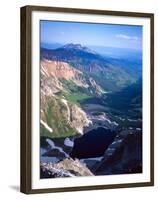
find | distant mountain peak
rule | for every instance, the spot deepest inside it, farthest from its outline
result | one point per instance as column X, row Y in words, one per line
column 72, row 46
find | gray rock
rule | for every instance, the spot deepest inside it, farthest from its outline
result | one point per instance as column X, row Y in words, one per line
column 65, row 168
column 123, row 156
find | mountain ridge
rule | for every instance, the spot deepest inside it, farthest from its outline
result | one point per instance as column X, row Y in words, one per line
column 79, row 47
column 93, row 64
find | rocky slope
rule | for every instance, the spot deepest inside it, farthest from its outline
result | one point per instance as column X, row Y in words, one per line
column 59, row 116
column 53, row 72
column 62, row 70
column 65, row 168
column 123, row 156
column 62, row 118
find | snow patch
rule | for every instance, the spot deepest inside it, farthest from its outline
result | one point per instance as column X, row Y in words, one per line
column 51, row 143
column 132, row 120
column 115, row 123
column 46, row 159
column 117, row 141
column 95, row 158
column 68, row 142
column 46, row 126
column 122, row 119
column 110, row 122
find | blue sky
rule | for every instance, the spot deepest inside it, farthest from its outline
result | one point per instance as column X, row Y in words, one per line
column 108, row 35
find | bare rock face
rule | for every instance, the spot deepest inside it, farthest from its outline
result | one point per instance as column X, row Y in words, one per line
column 66, row 168
column 50, row 86
column 74, row 165
column 54, row 71
column 95, row 86
column 58, row 69
column 123, row 156
column 78, row 119
column 49, row 171
column 62, row 70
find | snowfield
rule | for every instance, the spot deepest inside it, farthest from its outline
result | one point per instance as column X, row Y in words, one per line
column 68, row 142
column 46, row 126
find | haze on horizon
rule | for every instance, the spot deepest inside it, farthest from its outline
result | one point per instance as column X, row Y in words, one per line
column 90, row 34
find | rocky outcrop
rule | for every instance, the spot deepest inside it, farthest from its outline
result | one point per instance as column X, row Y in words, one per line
column 65, row 168
column 95, row 87
column 78, row 118
column 123, row 156
column 52, row 72
column 62, row 70
column 50, row 86
column 49, row 171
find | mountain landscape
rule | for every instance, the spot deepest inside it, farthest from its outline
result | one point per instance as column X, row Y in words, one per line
column 90, row 113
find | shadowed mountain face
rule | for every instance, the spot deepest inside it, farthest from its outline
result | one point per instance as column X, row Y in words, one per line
column 128, row 98
column 123, row 156
column 116, row 76
column 93, row 144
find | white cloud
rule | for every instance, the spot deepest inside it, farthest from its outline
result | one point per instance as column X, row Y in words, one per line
column 127, row 37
